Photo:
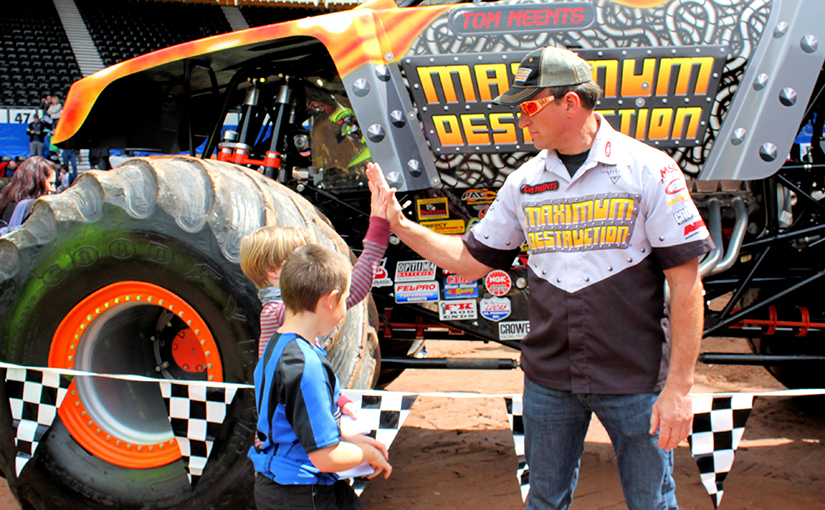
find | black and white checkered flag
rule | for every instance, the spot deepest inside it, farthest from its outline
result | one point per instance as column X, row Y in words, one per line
column 382, row 414
column 718, row 426
column 34, row 397
column 196, row 414
column 514, row 416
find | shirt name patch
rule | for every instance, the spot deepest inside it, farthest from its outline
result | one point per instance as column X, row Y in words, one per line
column 595, row 222
column 527, row 189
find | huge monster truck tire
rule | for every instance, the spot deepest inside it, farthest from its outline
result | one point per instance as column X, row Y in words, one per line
column 136, row 271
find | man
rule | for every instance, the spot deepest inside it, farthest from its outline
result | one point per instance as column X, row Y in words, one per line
column 37, row 134
column 608, row 220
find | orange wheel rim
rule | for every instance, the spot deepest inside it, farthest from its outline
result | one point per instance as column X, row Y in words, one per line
column 95, row 411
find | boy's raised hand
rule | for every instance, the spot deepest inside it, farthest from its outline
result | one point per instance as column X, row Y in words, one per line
column 383, row 196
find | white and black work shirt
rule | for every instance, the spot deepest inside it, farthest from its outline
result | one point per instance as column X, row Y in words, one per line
column 598, row 245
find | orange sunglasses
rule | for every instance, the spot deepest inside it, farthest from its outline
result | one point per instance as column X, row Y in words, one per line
column 531, row 108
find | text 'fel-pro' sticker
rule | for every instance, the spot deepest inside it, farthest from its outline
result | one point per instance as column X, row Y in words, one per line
column 418, row 292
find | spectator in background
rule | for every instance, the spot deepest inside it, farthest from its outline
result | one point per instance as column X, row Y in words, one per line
column 37, row 135
column 45, row 102
column 34, row 178
column 7, row 167
column 54, row 110
column 63, row 181
column 70, row 158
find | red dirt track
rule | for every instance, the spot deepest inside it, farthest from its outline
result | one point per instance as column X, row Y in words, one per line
column 457, row 453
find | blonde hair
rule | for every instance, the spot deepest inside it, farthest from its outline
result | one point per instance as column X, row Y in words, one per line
column 311, row 272
column 267, row 248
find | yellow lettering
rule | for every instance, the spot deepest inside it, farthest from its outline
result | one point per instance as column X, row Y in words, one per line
column 695, row 114
column 488, row 75
column 476, row 134
column 685, row 65
column 446, row 127
column 660, row 121
column 634, row 84
column 611, row 75
column 445, row 77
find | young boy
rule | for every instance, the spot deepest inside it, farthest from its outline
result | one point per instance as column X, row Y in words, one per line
column 296, row 392
column 263, row 251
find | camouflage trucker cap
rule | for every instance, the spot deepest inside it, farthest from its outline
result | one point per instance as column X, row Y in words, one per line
column 542, row 68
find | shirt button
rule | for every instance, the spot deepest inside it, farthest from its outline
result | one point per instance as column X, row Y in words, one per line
column 610, row 268
column 629, row 260
column 661, row 238
column 558, row 280
column 643, row 250
column 587, row 278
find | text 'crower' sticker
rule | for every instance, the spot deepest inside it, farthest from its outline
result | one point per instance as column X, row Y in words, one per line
column 498, row 282
column 457, row 310
column 513, row 330
column 414, row 271
column 416, row 292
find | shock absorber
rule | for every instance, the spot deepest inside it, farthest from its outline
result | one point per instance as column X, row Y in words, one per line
column 234, row 147
column 275, row 156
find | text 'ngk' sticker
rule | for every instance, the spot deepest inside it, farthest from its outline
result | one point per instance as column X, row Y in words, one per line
column 416, row 292
column 414, row 271
column 513, row 330
column 457, row 310
column 382, row 276
column 495, row 309
column 498, row 282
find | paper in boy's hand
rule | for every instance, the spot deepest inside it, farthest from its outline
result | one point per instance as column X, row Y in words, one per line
column 350, row 426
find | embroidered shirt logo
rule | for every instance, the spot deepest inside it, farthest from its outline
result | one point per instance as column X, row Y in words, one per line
column 528, row 189
column 613, row 172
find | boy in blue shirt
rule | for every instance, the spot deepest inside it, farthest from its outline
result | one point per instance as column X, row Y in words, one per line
column 296, row 392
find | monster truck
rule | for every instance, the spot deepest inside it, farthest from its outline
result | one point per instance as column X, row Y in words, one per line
column 732, row 89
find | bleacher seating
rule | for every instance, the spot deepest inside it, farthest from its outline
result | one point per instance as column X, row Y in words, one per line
column 259, row 15
column 123, row 29
column 36, row 59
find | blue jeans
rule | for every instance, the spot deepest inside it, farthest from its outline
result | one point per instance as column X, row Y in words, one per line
column 70, row 160
column 555, row 425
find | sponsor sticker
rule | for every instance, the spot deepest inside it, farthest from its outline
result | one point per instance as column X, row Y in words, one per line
column 516, row 330
column 457, row 310
column 432, row 208
column 475, row 196
column 382, row 276
column 460, row 290
column 495, row 309
column 678, row 198
column 447, row 227
column 498, row 282
column 418, row 292
column 414, row 271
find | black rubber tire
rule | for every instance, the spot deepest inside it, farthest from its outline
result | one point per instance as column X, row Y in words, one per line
column 194, row 212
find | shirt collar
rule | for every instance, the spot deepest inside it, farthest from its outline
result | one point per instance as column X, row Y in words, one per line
column 602, row 151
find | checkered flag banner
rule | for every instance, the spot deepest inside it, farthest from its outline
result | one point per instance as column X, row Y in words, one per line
column 196, row 414
column 34, row 396
column 382, row 414
column 514, row 416
column 718, row 426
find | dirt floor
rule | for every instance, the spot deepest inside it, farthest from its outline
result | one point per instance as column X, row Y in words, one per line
column 457, row 453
